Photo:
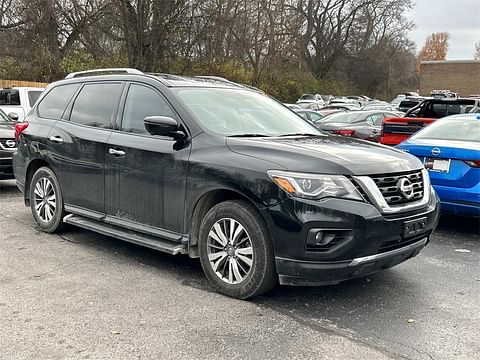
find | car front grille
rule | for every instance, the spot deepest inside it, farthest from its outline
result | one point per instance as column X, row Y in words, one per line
column 5, row 144
column 388, row 186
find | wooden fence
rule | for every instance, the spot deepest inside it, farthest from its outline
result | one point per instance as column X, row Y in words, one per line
column 12, row 83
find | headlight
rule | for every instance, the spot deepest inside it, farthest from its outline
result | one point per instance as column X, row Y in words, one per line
column 315, row 186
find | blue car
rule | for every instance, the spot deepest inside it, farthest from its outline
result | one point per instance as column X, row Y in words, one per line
column 450, row 150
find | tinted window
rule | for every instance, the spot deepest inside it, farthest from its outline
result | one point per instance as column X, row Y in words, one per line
column 95, row 104
column 9, row 97
column 33, row 97
column 143, row 101
column 54, row 103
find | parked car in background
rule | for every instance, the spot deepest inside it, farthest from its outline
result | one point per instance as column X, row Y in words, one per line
column 19, row 100
column 346, row 105
column 8, row 145
column 396, row 130
column 365, row 125
column 293, row 106
column 409, row 102
column 221, row 172
column 442, row 94
column 312, row 116
column 450, row 151
column 332, row 109
column 378, row 105
column 306, row 100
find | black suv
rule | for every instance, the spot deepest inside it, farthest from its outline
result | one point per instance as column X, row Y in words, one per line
column 216, row 170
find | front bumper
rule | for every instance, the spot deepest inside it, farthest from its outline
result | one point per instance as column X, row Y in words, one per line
column 307, row 273
column 368, row 242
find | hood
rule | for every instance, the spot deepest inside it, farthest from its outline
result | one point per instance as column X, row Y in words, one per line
column 326, row 155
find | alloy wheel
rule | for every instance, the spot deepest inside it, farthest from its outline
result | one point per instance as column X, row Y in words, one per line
column 45, row 199
column 230, row 251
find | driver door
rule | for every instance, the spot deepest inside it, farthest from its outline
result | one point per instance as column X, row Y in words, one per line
column 145, row 174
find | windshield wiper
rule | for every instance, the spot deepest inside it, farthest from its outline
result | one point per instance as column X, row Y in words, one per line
column 249, row 135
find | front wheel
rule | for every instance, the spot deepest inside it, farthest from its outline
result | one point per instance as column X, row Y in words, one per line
column 236, row 251
column 46, row 200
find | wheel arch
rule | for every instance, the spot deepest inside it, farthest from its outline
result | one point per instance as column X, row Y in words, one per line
column 33, row 166
column 203, row 205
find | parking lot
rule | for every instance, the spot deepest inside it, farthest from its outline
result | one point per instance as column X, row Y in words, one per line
column 83, row 295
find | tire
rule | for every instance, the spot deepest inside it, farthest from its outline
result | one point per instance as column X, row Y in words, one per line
column 47, row 210
column 241, row 266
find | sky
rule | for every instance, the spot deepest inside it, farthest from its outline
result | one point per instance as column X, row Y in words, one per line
column 461, row 18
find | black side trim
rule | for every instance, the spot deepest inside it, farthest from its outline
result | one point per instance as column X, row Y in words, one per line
column 125, row 235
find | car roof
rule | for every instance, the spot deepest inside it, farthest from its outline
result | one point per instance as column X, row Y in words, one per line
column 168, row 80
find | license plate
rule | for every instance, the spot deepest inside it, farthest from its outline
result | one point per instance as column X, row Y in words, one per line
column 438, row 165
column 414, row 227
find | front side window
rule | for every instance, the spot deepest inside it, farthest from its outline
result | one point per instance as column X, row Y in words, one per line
column 96, row 104
column 54, row 103
column 143, row 101
column 235, row 112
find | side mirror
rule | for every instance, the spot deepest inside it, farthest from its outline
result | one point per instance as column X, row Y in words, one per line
column 163, row 125
column 13, row 116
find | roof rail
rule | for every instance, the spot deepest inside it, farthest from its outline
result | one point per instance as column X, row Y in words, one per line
column 104, row 72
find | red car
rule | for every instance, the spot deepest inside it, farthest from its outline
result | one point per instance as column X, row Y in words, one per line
column 396, row 130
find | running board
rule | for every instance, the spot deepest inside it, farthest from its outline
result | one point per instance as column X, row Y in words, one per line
column 125, row 235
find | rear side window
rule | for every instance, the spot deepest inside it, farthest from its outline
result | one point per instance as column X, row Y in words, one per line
column 9, row 97
column 96, row 104
column 33, row 97
column 54, row 103
column 141, row 102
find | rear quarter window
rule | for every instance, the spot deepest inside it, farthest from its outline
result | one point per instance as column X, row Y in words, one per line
column 54, row 103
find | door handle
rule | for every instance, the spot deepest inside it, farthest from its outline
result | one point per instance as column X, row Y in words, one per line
column 115, row 152
column 56, row 139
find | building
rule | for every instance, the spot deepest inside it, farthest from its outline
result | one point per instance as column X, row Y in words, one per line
column 460, row 76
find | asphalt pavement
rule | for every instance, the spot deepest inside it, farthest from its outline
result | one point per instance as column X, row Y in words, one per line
column 80, row 295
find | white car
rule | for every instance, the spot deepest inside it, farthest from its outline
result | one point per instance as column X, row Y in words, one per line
column 19, row 100
column 307, row 100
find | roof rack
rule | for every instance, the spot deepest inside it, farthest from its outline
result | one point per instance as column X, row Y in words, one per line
column 104, row 72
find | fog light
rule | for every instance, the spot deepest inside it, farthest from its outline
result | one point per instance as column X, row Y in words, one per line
column 323, row 240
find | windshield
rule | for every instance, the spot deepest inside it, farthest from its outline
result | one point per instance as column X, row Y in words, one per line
column 346, row 118
column 234, row 112
column 307, row 97
column 451, row 129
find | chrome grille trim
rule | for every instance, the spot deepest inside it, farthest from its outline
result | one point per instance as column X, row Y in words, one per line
column 4, row 146
column 385, row 204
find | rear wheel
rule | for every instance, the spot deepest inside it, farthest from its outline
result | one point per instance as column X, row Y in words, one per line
column 46, row 201
column 236, row 251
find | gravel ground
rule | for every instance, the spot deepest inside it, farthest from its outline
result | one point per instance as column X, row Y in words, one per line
column 81, row 295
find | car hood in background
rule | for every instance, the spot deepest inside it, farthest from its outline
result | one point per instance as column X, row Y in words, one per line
column 326, row 154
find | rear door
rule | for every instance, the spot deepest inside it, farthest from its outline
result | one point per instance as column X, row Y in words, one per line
column 146, row 175
column 79, row 145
